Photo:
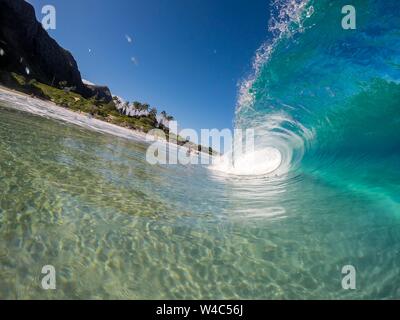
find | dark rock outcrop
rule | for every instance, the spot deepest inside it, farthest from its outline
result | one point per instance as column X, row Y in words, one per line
column 101, row 93
column 27, row 48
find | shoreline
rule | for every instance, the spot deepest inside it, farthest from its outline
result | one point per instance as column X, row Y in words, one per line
column 33, row 105
column 24, row 102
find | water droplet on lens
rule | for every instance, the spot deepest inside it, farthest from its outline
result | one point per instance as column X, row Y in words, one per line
column 310, row 12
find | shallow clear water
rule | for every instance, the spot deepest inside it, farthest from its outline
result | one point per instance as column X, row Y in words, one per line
column 116, row 227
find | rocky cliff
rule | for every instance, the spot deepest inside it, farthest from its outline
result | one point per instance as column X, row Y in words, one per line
column 26, row 48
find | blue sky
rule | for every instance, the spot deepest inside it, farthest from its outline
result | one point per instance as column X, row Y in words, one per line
column 189, row 55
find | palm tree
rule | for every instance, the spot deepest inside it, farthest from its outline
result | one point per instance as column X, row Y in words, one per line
column 153, row 112
column 125, row 107
column 117, row 103
column 137, row 107
column 163, row 115
column 168, row 120
column 130, row 111
column 145, row 108
column 116, row 100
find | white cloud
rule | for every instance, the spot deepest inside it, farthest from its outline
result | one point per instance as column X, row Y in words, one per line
column 128, row 38
column 135, row 61
column 87, row 82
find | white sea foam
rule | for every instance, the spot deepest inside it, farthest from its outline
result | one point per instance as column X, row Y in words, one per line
column 260, row 162
column 277, row 149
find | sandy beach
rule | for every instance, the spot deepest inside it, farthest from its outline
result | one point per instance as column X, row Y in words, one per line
column 24, row 102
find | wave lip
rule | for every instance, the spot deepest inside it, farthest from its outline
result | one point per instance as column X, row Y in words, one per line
column 280, row 140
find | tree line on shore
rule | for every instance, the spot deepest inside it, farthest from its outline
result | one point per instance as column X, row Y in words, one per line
column 137, row 109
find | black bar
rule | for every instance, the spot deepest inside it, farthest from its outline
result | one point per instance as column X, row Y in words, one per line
column 260, row 309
